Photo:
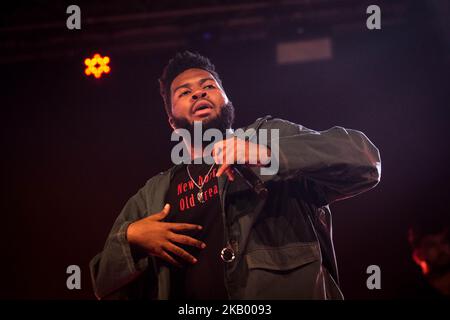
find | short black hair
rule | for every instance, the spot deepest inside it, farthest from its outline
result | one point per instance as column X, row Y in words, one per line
column 179, row 63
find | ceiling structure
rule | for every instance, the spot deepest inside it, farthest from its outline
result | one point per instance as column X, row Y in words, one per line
column 37, row 29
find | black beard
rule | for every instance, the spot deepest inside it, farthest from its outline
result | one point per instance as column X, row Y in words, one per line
column 222, row 122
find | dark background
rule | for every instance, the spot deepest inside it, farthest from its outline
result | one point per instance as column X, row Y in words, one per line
column 76, row 148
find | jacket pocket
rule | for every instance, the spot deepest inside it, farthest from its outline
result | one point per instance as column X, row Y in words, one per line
column 283, row 258
column 288, row 272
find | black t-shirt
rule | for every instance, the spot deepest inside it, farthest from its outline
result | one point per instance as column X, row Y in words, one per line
column 204, row 279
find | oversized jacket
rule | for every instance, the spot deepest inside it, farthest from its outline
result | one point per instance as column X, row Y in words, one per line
column 282, row 243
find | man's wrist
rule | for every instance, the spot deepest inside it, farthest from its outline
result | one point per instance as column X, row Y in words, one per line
column 130, row 233
column 265, row 157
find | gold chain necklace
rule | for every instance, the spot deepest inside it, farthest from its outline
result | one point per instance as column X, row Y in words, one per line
column 200, row 197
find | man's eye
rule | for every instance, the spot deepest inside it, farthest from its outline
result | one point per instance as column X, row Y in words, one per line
column 184, row 93
column 210, row 86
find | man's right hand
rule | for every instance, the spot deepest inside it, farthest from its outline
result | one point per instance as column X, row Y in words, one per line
column 157, row 237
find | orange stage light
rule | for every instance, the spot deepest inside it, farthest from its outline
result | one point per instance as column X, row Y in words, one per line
column 97, row 65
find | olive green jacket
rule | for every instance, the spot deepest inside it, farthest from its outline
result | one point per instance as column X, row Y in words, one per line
column 283, row 243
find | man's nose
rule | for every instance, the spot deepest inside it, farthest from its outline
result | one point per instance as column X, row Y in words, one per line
column 198, row 95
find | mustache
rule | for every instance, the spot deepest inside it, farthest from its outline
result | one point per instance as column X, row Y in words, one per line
column 223, row 121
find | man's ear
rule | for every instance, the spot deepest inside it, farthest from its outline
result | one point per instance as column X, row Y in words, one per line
column 172, row 122
column 225, row 98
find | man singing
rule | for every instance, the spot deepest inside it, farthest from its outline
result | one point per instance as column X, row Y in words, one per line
column 203, row 230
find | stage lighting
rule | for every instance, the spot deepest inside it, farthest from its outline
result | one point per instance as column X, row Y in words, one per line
column 97, row 65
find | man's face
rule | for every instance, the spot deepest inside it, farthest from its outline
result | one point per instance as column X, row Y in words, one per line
column 196, row 96
column 434, row 249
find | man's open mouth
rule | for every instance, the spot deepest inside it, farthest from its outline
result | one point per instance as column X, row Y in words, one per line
column 202, row 108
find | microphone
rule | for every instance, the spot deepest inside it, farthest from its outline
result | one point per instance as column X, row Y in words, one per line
column 252, row 180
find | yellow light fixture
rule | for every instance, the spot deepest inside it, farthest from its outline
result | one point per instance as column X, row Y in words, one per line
column 97, row 65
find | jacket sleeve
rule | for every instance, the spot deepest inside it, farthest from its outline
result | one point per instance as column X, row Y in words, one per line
column 119, row 264
column 339, row 162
